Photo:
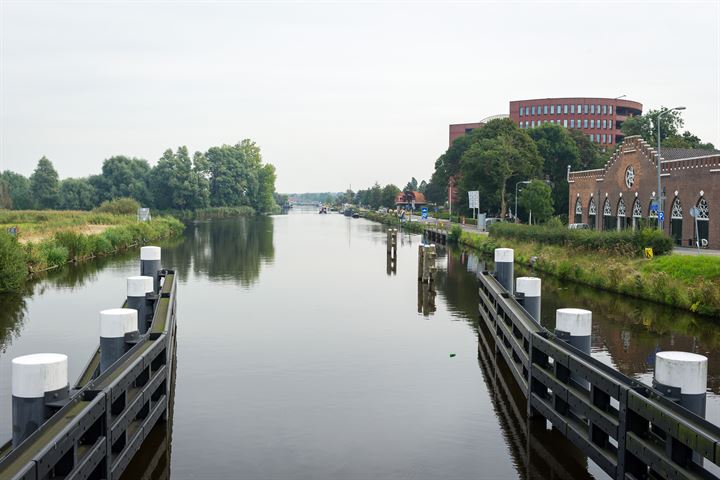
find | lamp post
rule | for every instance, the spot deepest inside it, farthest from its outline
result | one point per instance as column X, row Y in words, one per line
column 516, row 191
column 661, row 225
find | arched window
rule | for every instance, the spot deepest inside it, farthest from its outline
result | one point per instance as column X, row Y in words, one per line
column 676, row 222
column 607, row 210
column 592, row 208
column 578, row 211
column 702, row 206
column 621, row 211
column 637, row 209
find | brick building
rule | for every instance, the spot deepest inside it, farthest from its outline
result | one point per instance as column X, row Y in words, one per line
column 599, row 118
column 618, row 195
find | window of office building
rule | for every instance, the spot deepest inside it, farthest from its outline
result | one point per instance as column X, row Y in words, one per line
column 609, row 109
column 572, row 108
column 565, row 123
column 598, row 110
column 579, row 109
column 592, row 109
column 610, row 139
column 533, row 124
column 565, row 110
column 544, row 109
column 592, row 123
column 533, row 110
column 604, row 138
column 572, row 123
column 558, row 109
column 585, row 123
column 552, row 109
column 604, row 109
column 521, row 111
column 604, row 124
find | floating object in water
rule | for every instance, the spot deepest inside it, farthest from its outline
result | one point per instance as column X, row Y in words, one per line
column 452, row 355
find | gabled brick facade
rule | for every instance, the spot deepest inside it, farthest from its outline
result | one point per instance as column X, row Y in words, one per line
column 692, row 181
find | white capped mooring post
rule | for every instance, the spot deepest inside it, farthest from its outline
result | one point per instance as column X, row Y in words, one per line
column 574, row 326
column 150, row 264
column 115, row 323
column 137, row 290
column 682, row 376
column 36, row 380
column 504, row 267
column 530, row 289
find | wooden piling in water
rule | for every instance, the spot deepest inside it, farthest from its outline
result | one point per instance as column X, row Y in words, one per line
column 421, row 258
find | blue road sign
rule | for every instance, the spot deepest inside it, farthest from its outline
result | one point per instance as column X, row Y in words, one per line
column 424, row 213
column 661, row 216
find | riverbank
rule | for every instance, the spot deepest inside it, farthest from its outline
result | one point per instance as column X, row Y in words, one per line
column 690, row 283
column 49, row 239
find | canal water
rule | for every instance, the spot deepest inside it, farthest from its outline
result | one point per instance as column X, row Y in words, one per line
column 301, row 353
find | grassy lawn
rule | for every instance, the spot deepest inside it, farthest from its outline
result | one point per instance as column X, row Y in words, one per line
column 687, row 268
column 38, row 225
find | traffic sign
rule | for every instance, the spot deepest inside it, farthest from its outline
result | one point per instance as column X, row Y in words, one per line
column 424, row 213
column 474, row 199
column 661, row 216
column 694, row 212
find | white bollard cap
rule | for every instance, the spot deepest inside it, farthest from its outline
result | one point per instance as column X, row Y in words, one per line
column 576, row 321
column 530, row 286
column 688, row 371
column 139, row 286
column 33, row 375
column 150, row 253
column 504, row 255
column 116, row 322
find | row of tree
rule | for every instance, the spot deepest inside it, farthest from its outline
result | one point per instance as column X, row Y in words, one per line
column 229, row 175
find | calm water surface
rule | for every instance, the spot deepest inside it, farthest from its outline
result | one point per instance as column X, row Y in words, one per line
column 302, row 354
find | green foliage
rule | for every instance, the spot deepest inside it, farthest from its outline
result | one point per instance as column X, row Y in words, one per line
column 670, row 124
column 123, row 177
column 179, row 184
column 13, row 269
column 454, row 233
column 625, row 242
column 537, row 198
column 76, row 194
column 76, row 244
column 686, row 267
column 19, row 187
column 44, row 184
column 119, row 206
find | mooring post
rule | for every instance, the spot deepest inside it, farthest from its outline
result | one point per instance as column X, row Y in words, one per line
column 421, row 260
column 682, row 376
column 150, row 265
column 574, row 325
column 137, row 290
column 388, row 242
column 36, row 380
column 394, row 242
column 428, row 270
column 115, row 325
column 530, row 288
column 504, row 267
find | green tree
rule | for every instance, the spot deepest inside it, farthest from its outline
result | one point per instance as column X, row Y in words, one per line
column 503, row 154
column 387, row 197
column 590, row 155
column 412, row 185
column 44, row 184
column 19, row 187
column 537, row 198
column 77, row 194
column 177, row 184
column 264, row 201
column 124, row 177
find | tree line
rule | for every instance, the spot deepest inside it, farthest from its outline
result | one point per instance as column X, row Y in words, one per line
column 228, row 175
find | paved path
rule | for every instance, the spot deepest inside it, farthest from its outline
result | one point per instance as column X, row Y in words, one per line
column 693, row 251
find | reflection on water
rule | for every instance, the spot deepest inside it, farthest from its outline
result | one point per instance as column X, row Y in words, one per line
column 303, row 351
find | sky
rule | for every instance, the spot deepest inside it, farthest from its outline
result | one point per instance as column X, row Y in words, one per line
column 336, row 94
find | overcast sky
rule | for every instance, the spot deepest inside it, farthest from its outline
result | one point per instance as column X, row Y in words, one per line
column 334, row 93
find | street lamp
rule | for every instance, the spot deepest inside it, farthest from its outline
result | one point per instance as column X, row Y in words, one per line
column 659, row 187
column 516, row 190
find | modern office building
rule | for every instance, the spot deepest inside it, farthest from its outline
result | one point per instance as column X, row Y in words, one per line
column 600, row 118
column 619, row 195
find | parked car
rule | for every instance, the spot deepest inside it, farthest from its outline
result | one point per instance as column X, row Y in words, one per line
column 579, row 226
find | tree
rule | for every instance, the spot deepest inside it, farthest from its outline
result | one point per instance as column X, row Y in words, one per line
column 77, row 194
column 537, row 197
column 177, row 184
column 124, row 177
column 265, row 201
column 5, row 198
column 19, row 187
column 670, row 124
column 44, row 184
column 422, row 187
column 412, row 185
column 590, row 155
column 387, row 197
column 501, row 153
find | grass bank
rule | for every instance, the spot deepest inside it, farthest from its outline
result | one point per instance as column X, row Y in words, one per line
column 48, row 239
column 612, row 262
column 211, row 212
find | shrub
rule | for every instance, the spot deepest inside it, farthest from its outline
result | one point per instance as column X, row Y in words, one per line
column 77, row 244
column 624, row 242
column 119, row 206
column 454, row 233
column 13, row 267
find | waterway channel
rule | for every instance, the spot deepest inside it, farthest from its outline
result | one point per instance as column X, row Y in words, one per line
column 302, row 354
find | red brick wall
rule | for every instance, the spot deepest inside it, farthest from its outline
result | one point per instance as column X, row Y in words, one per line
column 688, row 177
